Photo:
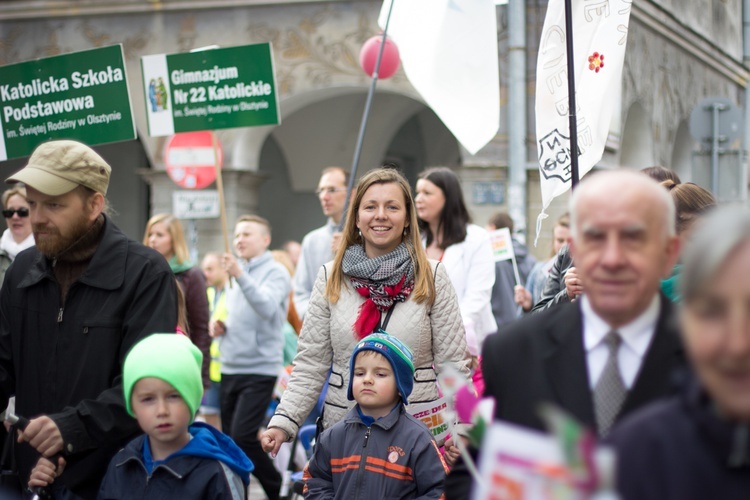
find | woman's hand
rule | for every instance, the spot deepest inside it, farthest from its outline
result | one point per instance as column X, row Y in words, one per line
column 451, row 450
column 522, row 297
column 45, row 472
column 272, row 439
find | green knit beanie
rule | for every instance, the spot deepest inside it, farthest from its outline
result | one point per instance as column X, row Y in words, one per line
column 170, row 357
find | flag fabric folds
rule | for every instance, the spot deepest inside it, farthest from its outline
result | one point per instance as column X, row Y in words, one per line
column 448, row 50
column 600, row 31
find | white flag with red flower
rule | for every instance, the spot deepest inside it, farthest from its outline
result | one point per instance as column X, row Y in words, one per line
column 600, row 32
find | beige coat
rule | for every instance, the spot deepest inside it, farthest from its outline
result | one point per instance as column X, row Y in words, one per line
column 434, row 334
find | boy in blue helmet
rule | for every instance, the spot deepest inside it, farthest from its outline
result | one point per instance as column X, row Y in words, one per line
column 378, row 450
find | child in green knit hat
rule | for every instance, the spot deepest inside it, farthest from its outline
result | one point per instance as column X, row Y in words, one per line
column 176, row 457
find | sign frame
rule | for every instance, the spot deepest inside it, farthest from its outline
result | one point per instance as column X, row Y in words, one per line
column 209, row 90
column 80, row 95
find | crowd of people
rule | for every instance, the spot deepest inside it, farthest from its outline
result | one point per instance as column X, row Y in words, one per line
column 146, row 375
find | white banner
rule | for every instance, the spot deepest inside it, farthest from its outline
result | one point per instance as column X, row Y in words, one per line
column 434, row 415
column 448, row 49
column 600, row 33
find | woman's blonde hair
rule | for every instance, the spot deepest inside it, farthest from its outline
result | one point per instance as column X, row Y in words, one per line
column 174, row 228
column 424, row 284
column 14, row 191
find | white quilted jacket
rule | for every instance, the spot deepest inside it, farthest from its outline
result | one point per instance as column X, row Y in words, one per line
column 435, row 335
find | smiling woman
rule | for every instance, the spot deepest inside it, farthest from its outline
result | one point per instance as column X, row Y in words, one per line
column 697, row 445
column 379, row 278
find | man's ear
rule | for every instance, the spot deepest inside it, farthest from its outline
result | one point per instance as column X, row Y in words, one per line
column 571, row 248
column 674, row 246
column 96, row 204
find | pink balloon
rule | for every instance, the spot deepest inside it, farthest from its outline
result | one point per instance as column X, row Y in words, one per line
column 368, row 56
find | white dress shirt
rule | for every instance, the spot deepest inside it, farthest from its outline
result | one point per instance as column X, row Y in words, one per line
column 636, row 338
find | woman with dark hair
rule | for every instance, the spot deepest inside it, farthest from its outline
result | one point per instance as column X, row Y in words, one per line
column 691, row 202
column 165, row 235
column 380, row 278
column 697, row 445
column 464, row 248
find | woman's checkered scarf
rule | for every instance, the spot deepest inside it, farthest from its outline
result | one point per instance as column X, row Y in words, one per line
column 383, row 280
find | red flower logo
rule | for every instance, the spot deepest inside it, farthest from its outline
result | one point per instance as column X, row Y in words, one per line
column 596, row 62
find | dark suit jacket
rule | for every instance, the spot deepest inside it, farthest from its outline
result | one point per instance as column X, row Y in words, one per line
column 542, row 358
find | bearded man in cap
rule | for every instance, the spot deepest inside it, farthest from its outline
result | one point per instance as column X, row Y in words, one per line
column 70, row 310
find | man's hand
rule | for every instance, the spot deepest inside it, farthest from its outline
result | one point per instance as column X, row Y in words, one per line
column 43, row 434
column 45, row 472
column 522, row 297
column 217, row 328
column 231, row 266
column 272, row 439
column 573, row 285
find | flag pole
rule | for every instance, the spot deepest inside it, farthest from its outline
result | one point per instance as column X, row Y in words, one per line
column 365, row 116
column 572, row 120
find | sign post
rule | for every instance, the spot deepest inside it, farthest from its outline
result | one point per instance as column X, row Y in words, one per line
column 81, row 95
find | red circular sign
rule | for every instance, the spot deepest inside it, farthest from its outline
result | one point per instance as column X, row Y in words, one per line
column 189, row 158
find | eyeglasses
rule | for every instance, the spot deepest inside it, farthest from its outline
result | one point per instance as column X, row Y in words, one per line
column 329, row 190
column 22, row 212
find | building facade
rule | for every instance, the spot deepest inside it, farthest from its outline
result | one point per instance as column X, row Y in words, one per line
column 679, row 52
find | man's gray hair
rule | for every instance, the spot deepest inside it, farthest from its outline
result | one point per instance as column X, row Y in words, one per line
column 590, row 184
column 717, row 235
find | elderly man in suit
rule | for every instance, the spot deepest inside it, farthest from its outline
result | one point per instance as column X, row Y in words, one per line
column 615, row 349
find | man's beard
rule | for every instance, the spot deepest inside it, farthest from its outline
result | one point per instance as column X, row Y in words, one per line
column 54, row 244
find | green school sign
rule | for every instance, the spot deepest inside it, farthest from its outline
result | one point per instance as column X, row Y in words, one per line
column 211, row 89
column 82, row 95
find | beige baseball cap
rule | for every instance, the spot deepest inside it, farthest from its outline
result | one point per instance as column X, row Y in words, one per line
column 58, row 167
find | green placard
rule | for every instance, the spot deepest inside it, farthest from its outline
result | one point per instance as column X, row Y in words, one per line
column 211, row 89
column 82, row 95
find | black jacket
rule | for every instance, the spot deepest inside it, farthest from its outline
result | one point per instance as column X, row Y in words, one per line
column 65, row 361
column 681, row 449
column 554, row 291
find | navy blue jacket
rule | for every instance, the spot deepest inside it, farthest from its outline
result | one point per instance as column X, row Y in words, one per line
column 210, row 466
column 394, row 458
column 681, row 449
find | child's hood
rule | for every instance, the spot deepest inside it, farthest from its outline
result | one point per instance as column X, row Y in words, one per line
column 208, row 442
